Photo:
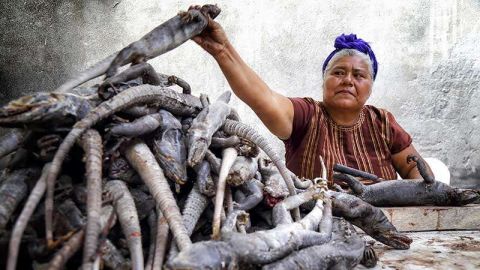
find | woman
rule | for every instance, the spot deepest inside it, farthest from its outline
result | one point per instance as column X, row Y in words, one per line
column 342, row 129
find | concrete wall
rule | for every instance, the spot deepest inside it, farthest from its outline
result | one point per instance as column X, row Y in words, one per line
column 428, row 52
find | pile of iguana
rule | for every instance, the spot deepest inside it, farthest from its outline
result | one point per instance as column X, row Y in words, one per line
column 190, row 185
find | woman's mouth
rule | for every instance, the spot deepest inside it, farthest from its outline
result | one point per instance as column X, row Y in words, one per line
column 347, row 92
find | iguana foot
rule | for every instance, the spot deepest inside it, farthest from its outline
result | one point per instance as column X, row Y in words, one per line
column 369, row 258
column 186, row 16
column 48, row 145
column 396, row 240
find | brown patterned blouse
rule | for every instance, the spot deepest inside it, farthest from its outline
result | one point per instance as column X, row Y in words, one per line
column 368, row 145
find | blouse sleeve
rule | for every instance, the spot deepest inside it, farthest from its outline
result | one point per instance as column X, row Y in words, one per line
column 302, row 113
column 399, row 138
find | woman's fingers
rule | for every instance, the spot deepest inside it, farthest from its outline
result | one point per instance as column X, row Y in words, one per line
column 213, row 39
column 198, row 39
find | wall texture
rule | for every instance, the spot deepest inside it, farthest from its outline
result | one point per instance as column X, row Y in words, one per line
column 428, row 51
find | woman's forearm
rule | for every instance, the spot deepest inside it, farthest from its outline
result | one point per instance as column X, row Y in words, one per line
column 245, row 83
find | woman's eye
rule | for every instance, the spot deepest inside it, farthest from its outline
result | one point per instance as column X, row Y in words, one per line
column 338, row 72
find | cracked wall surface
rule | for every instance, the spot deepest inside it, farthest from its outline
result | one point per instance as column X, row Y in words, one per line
column 428, row 52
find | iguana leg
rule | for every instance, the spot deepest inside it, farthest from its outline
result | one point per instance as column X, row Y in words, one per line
column 215, row 163
column 369, row 258
column 187, row 16
column 422, row 168
column 143, row 70
column 357, row 187
column 218, row 142
column 204, row 178
column 236, row 216
column 337, row 187
column 180, row 82
column 247, row 148
column 465, row 196
column 128, row 54
column 354, row 172
column 313, row 238
column 281, row 214
column 320, row 218
column 48, row 145
column 327, row 217
column 301, row 183
column 264, row 257
column 253, row 199
column 204, row 100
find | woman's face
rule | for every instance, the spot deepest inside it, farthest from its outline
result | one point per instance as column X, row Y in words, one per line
column 347, row 84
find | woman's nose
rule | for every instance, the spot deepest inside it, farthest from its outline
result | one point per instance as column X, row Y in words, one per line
column 347, row 79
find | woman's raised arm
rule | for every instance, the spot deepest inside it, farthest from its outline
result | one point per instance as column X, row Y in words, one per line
column 275, row 110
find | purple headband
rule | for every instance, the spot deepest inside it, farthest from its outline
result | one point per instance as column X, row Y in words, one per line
column 352, row 42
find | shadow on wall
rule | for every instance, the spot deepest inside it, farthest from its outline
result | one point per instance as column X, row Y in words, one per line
column 469, row 180
column 43, row 42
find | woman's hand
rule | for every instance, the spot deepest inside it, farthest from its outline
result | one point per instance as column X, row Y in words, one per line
column 213, row 38
column 275, row 110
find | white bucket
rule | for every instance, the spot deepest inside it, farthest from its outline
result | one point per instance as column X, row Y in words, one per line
column 439, row 169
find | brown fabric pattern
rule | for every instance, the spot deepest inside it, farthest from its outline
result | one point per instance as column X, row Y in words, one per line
column 367, row 145
column 309, row 157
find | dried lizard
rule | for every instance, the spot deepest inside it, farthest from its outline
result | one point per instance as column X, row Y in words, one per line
column 411, row 192
column 208, row 121
column 128, row 219
column 163, row 38
column 91, row 142
column 45, row 111
column 170, row 149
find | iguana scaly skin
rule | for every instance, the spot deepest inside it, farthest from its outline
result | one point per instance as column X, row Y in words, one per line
column 236, row 128
column 12, row 192
column 12, row 141
column 128, row 218
column 194, row 207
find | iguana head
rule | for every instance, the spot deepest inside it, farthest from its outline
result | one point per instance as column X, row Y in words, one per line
column 204, row 255
column 44, row 110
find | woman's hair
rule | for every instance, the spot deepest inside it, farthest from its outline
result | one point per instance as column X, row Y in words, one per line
column 350, row 45
column 349, row 52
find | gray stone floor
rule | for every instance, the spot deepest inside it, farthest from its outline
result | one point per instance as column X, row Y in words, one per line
column 433, row 250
